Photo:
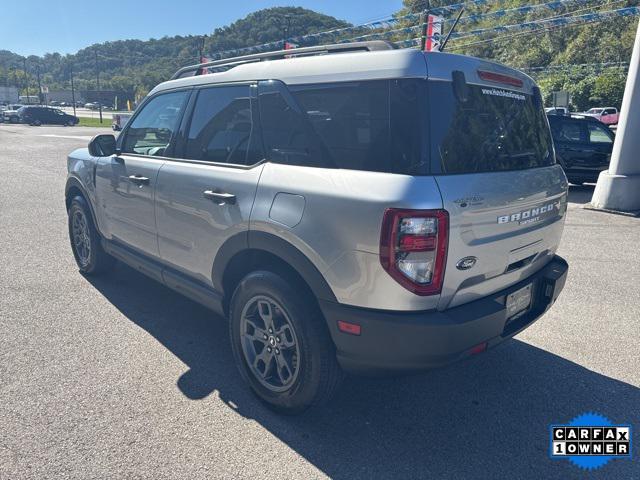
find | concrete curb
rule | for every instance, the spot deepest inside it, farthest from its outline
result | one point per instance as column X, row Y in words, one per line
column 634, row 213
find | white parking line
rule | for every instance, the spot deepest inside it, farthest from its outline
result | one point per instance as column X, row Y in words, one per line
column 74, row 137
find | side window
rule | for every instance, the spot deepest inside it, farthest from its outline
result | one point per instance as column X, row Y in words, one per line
column 609, row 111
column 351, row 119
column 571, row 132
column 152, row 129
column 221, row 127
column 598, row 134
column 287, row 134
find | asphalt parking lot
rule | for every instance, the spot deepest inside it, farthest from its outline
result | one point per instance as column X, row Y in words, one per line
column 119, row 377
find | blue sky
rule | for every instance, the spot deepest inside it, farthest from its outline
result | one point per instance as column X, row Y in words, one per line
column 34, row 27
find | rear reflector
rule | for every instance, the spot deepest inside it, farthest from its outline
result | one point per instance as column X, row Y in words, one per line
column 350, row 328
column 417, row 243
column 500, row 78
column 478, row 348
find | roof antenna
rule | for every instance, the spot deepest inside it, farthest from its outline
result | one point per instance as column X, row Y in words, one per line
column 453, row 27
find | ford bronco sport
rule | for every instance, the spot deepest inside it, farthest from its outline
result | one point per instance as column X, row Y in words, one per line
column 350, row 208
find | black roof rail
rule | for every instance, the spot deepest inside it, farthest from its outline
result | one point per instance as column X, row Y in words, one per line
column 369, row 46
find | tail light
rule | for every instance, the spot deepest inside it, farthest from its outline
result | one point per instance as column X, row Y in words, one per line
column 413, row 248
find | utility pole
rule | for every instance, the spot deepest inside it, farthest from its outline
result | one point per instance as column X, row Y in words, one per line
column 201, row 40
column 73, row 90
column 39, row 84
column 26, row 77
column 285, row 31
column 98, row 84
column 618, row 188
column 424, row 26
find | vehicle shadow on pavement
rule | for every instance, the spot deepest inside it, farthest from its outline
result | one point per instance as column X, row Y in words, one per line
column 484, row 418
column 580, row 194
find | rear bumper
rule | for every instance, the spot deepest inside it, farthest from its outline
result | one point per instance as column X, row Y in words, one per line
column 394, row 342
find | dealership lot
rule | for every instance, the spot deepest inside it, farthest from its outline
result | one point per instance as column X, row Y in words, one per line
column 120, row 377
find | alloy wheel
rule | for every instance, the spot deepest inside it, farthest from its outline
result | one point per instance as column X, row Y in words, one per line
column 81, row 239
column 269, row 343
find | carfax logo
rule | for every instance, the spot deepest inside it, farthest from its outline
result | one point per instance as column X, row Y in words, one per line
column 590, row 441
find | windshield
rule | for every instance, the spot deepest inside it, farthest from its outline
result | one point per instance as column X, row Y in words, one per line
column 493, row 130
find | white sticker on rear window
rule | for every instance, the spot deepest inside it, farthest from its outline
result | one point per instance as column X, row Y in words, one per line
column 503, row 93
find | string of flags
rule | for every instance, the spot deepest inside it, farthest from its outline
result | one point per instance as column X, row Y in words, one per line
column 337, row 33
column 392, row 33
column 621, row 65
column 558, row 21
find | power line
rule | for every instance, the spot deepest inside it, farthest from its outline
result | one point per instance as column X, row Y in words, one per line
column 552, row 21
column 532, row 27
column 575, row 66
column 548, row 25
column 387, row 34
column 525, row 9
column 337, row 32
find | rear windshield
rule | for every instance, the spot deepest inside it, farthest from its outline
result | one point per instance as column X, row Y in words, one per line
column 487, row 129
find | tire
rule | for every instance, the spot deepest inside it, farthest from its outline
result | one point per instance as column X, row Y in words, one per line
column 299, row 339
column 85, row 240
column 70, row 123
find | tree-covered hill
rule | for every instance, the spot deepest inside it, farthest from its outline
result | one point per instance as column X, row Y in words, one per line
column 549, row 55
column 138, row 65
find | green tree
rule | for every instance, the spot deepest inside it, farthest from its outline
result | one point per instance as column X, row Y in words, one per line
column 608, row 89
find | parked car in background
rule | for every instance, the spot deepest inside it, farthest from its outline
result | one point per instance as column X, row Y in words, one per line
column 583, row 146
column 46, row 116
column 607, row 115
column 557, row 111
column 10, row 114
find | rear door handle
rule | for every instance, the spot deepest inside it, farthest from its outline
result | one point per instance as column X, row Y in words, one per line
column 220, row 198
column 138, row 180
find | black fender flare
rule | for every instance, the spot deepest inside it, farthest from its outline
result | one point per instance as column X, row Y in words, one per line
column 267, row 242
column 74, row 182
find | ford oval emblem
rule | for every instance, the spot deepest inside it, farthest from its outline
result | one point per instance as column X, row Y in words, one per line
column 466, row 263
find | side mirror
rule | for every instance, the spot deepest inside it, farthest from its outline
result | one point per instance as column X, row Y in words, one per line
column 102, row 146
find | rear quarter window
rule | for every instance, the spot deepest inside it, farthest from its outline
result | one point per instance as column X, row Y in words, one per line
column 374, row 126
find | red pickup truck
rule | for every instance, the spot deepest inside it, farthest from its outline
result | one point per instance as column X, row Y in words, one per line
column 607, row 115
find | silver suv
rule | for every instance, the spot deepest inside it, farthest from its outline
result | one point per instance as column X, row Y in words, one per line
column 350, row 208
